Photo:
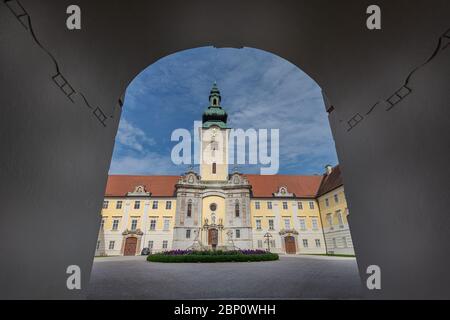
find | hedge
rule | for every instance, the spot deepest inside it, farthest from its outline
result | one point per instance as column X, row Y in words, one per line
column 161, row 257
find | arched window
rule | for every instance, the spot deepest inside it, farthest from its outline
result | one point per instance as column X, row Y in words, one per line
column 237, row 212
column 189, row 209
column 214, row 102
column 214, row 168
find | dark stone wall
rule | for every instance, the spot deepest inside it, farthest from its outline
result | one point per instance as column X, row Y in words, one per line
column 60, row 110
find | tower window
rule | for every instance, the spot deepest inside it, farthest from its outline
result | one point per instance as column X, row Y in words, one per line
column 189, row 209
column 236, row 210
column 214, row 168
column 215, row 102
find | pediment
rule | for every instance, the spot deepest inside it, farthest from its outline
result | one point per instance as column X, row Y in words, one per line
column 283, row 193
column 139, row 191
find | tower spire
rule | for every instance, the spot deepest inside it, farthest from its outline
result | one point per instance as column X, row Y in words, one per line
column 214, row 114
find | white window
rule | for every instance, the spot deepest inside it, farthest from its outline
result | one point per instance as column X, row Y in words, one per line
column 271, row 226
column 272, row 243
column 315, row 224
column 285, row 205
column 152, row 224
column 188, row 233
column 327, row 202
column 105, row 204
column 311, row 204
column 111, row 245
column 115, row 225
column 257, row 205
column 305, row 243
column 134, row 224
column 302, row 224
column 269, row 204
column 238, row 233
column 168, row 205
column 166, row 224
column 155, row 204
column 287, row 224
column 300, row 205
column 339, row 216
column 165, row 243
column 258, row 224
column 150, row 244
column 344, row 242
column 336, row 198
column 98, row 245
column 334, row 243
column 330, row 220
column 102, row 224
column 137, row 204
column 317, row 243
column 119, row 204
column 260, row 244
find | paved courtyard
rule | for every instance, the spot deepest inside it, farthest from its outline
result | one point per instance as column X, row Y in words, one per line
column 292, row 277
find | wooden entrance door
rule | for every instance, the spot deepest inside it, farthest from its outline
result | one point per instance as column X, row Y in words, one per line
column 130, row 247
column 213, row 237
column 289, row 243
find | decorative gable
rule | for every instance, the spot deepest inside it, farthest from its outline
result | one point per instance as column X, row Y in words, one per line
column 139, row 191
column 283, row 193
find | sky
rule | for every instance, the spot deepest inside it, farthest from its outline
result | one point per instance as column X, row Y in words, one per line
column 258, row 89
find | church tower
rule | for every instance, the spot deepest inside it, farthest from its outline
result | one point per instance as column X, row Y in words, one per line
column 214, row 135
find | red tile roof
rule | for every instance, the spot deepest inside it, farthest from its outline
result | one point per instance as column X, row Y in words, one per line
column 262, row 186
column 331, row 181
column 300, row 186
column 158, row 186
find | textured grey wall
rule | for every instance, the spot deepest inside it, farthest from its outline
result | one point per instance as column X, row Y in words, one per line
column 57, row 144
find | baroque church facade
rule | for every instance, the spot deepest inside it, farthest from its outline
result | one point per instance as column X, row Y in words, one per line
column 216, row 209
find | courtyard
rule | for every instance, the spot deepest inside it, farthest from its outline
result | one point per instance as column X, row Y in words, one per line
column 292, row 277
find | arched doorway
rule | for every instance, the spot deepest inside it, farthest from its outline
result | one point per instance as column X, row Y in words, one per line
column 213, row 237
column 289, row 244
column 130, row 246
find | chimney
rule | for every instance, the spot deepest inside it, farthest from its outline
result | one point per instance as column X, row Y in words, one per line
column 328, row 169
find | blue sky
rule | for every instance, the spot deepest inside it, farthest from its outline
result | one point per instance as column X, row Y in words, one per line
column 259, row 90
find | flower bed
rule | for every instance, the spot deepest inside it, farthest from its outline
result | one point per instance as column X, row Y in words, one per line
column 212, row 256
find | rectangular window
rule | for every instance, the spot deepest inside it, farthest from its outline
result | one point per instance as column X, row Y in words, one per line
column 285, row 205
column 115, row 225
column 344, row 241
column 119, row 204
column 152, row 224
column 269, row 204
column 102, row 224
column 168, row 205
column 317, row 243
column 166, row 224
column 258, row 224
column 327, row 202
column 305, row 243
column 311, row 204
column 155, row 204
column 272, row 243
column 238, row 233
column 189, row 209
column 302, row 224
column 334, row 243
column 336, row 198
column 134, row 224
column 271, row 225
column 330, row 220
column 300, row 205
column 257, row 205
column 111, row 245
column 150, row 244
column 188, row 233
column 340, row 220
column 165, row 243
column 214, row 168
column 315, row 224
column 260, row 244
column 137, row 204
column 98, row 245
column 287, row 224
column 105, row 204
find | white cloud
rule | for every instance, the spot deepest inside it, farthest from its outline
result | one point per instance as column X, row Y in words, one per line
column 151, row 164
column 133, row 137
